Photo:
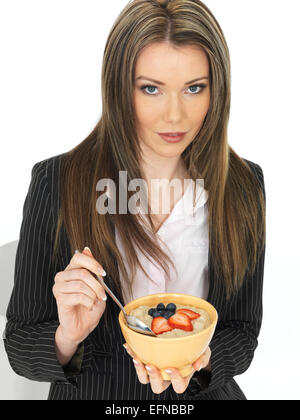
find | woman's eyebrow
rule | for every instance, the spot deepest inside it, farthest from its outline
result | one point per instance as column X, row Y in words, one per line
column 163, row 84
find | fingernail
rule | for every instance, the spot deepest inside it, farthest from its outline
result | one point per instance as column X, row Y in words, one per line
column 86, row 247
column 169, row 371
column 149, row 369
column 76, row 251
column 101, row 271
column 125, row 346
column 135, row 362
column 199, row 368
column 104, row 298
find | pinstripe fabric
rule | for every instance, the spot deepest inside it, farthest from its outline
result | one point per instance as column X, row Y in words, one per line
column 106, row 370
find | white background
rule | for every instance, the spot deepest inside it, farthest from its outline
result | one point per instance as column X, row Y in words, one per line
column 50, row 84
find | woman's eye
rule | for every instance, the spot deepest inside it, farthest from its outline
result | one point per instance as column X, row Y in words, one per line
column 151, row 89
column 143, row 88
column 202, row 86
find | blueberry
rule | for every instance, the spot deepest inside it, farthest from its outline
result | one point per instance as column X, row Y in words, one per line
column 171, row 307
column 168, row 314
column 160, row 307
column 156, row 314
column 150, row 312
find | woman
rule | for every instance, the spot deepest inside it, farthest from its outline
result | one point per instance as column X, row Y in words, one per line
column 166, row 69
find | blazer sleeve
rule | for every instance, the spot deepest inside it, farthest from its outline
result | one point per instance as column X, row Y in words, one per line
column 235, row 338
column 32, row 317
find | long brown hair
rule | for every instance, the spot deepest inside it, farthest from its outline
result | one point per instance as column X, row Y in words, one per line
column 236, row 203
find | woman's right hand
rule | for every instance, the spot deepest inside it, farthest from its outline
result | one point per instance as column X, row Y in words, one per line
column 79, row 297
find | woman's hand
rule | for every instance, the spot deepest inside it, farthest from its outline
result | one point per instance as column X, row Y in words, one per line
column 152, row 374
column 79, row 297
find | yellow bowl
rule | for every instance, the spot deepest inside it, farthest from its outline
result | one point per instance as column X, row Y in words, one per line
column 178, row 352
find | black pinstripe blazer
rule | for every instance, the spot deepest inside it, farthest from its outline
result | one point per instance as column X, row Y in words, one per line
column 105, row 369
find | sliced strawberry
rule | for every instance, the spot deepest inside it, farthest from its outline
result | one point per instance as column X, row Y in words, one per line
column 189, row 313
column 160, row 325
column 181, row 321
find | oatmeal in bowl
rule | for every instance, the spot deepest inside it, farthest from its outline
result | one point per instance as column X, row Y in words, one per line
column 182, row 335
column 171, row 321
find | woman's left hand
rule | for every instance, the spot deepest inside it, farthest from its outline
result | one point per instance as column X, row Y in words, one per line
column 147, row 373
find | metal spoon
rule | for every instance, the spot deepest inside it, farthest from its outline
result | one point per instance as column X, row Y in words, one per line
column 132, row 322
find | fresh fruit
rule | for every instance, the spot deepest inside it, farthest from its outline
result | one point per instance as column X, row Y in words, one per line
column 189, row 313
column 156, row 313
column 171, row 307
column 151, row 311
column 160, row 307
column 160, row 325
column 167, row 314
column 181, row 321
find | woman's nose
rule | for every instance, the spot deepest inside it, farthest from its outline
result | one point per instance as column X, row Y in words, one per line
column 174, row 110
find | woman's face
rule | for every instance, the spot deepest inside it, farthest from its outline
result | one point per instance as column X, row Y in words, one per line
column 175, row 104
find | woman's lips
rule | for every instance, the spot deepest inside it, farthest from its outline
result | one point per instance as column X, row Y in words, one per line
column 172, row 138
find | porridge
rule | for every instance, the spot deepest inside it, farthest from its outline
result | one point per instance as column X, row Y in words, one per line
column 172, row 321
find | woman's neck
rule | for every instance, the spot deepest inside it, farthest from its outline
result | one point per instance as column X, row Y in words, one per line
column 164, row 168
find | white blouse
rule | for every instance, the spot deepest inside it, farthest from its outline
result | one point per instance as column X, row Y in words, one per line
column 184, row 236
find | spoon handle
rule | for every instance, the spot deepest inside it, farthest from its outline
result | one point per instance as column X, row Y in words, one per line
column 107, row 289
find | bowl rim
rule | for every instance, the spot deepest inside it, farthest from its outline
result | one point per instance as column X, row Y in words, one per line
column 187, row 337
